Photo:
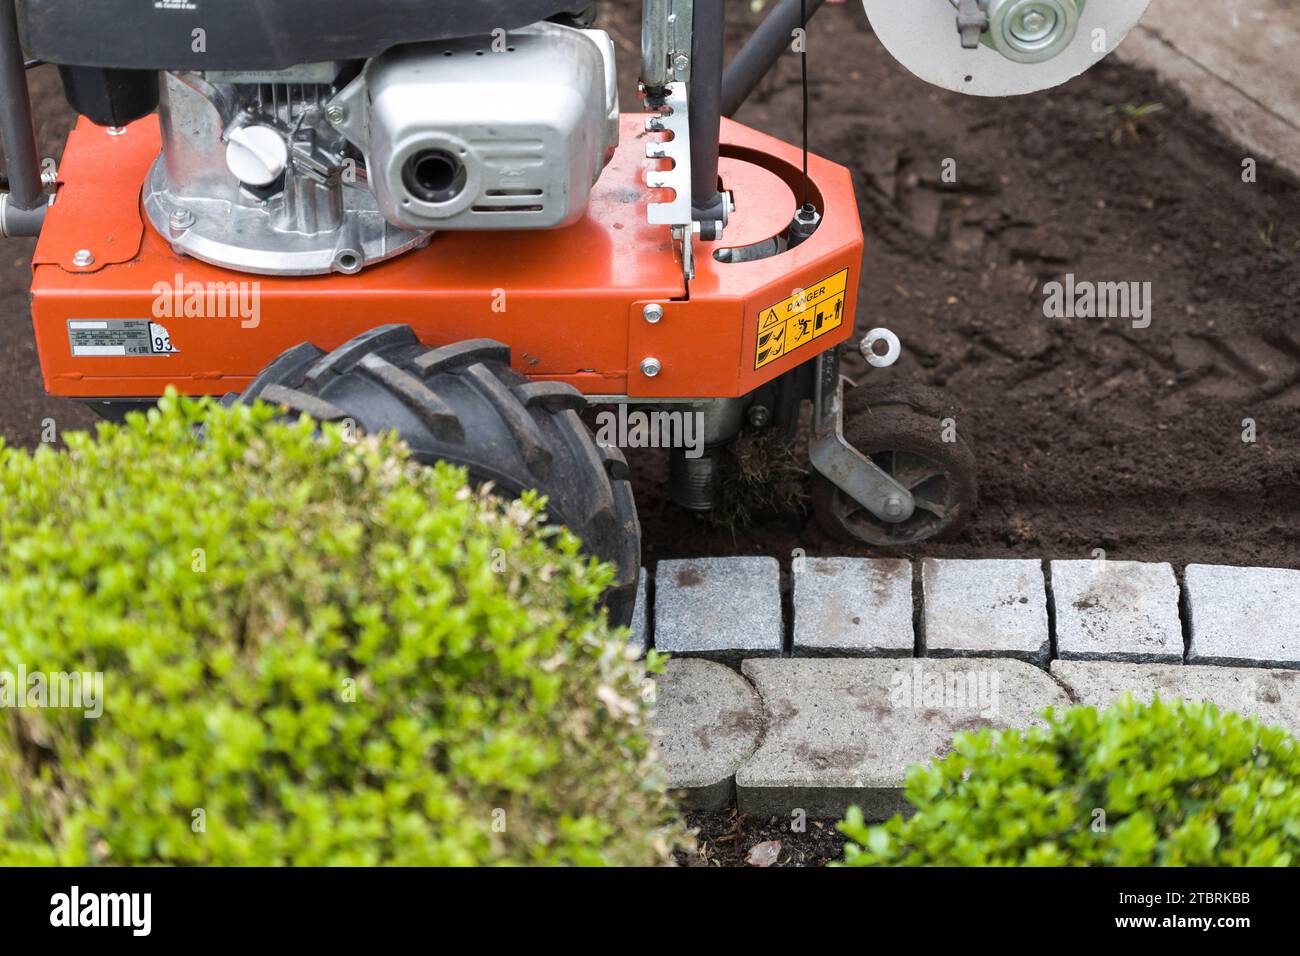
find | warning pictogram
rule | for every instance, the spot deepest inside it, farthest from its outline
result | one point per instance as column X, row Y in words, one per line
column 804, row 316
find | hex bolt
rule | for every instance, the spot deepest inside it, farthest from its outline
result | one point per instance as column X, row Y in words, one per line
column 681, row 63
column 1033, row 21
column 336, row 114
column 83, row 258
column 181, row 219
column 893, row 506
column 653, row 312
column 759, row 415
column 650, row 367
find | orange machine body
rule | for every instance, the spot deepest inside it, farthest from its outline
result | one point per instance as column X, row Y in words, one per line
column 568, row 301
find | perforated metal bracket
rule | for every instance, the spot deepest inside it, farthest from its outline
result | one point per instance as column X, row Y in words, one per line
column 673, row 117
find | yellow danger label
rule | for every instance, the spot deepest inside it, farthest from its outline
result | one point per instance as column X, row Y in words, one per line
column 796, row 321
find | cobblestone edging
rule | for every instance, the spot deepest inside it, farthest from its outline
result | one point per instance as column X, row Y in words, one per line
column 825, row 699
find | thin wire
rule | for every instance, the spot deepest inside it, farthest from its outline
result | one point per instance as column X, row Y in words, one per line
column 803, row 71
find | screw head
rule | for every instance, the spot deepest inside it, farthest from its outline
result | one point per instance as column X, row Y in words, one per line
column 1033, row 20
column 83, row 258
column 653, row 312
column 115, row 130
column 650, row 367
column 759, row 415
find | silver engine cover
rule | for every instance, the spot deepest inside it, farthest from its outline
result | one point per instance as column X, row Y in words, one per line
column 459, row 135
column 283, row 173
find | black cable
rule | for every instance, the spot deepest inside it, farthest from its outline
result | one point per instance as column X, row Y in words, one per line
column 803, row 71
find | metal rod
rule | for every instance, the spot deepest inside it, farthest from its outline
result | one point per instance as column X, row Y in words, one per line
column 705, row 91
column 16, row 126
column 761, row 51
column 655, row 38
column 20, row 222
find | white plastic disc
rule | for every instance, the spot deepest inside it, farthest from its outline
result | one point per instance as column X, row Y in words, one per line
column 922, row 35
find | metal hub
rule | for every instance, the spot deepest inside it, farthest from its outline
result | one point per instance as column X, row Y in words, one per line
column 1032, row 31
column 932, row 499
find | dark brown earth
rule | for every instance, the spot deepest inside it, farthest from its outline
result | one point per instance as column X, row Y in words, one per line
column 726, row 837
column 1089, row 433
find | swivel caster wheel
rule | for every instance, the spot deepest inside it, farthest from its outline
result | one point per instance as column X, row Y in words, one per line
column 903, row 432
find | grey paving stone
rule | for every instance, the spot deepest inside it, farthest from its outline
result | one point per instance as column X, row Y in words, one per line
column 1116, row 610
column 843, row 731
column 846, row 607
column 639, row 640
column 1272, row 696
column 985, row 608
column 709, row 720
column 723, row 608
column 1243, row 616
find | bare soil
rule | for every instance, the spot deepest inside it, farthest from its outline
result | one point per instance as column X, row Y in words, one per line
column 729, row 837
column 1089, row 433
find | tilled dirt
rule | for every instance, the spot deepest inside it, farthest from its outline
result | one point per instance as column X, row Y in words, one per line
column 1089, row 433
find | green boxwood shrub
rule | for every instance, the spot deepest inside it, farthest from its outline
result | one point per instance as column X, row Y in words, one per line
column 1158, row 784
column 314, row 651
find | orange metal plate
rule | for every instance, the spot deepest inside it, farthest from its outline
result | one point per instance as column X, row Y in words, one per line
column 86, row 210
column 567, row 301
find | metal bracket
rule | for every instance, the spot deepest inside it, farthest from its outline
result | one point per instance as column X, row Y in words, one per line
column 843, row 465
column 673, row 116
column 666, row 27
column 972, row 21
column 686, row 236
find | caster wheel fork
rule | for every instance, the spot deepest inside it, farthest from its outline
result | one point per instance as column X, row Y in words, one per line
column 891, row 469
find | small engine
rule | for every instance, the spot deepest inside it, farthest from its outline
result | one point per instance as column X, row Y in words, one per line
column 333, row 166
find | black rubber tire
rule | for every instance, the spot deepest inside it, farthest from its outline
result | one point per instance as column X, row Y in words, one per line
column 901, row 430
column 462, row 403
